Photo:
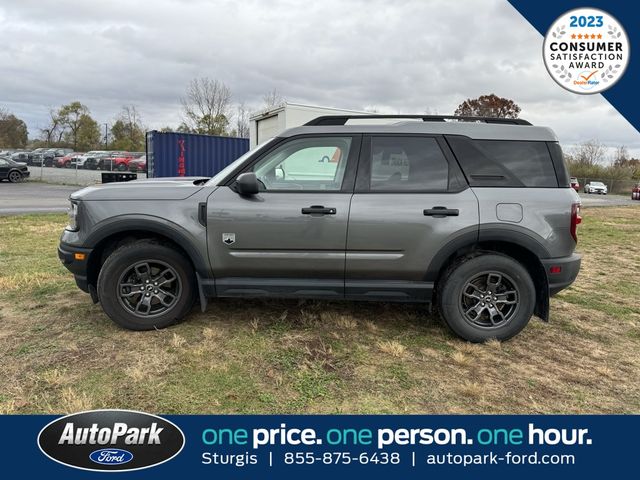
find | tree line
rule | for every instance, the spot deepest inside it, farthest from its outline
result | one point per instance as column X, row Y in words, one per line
column 207, row 108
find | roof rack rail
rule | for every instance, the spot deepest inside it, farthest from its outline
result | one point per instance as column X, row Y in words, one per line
column 343, row 119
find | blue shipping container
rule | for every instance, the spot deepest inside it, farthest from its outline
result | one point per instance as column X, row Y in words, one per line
column 174, row 154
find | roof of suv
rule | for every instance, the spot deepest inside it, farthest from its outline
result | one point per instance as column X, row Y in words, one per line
column 474, row 129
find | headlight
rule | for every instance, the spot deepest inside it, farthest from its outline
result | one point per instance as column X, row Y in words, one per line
column 73, row 217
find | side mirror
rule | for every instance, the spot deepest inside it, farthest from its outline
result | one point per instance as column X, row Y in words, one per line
column 247, row 184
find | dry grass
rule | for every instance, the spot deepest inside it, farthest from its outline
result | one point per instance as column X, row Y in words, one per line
column 60, row 353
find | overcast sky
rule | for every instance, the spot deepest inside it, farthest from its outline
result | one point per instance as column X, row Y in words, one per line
column 397, row 57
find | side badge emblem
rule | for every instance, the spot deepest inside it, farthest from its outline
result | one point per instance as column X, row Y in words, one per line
column 228, row 238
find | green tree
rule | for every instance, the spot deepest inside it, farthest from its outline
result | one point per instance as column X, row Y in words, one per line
column 88, row 135
column 488, row 106
column 128, row 132
column 74, row 127
column 13, row 131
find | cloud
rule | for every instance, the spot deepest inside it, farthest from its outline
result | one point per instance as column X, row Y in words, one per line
column 407, row 57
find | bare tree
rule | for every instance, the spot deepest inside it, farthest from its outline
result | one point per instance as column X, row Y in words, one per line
column 206, row 106
column 621, row 156
column 273, row 99
column 589, row 153
column 54, row 131
column 242, row 121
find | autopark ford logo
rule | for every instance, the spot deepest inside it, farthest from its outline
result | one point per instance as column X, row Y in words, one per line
column 111, row 440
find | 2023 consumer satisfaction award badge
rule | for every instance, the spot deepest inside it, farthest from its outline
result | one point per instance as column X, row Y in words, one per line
column 586, row 50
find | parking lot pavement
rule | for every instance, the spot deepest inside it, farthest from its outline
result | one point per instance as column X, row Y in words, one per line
column 34, row 197
column 69, row 176
column 592, row 200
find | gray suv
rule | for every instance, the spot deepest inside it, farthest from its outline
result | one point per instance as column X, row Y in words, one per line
column 474, row 216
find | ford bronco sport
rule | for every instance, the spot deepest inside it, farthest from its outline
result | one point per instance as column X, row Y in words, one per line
column 472, row 215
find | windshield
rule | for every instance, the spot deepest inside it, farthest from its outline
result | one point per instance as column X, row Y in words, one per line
column 221, row 175
column 597, row 184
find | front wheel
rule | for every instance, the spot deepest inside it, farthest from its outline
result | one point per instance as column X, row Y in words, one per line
column 15, row 176
column 145, row 285
column 487, row 296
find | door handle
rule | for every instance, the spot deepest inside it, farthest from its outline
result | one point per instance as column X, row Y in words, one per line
column 318, row 210
column 441, row 212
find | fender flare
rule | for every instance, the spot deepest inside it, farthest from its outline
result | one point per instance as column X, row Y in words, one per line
column 151, row 224
column 471, row 240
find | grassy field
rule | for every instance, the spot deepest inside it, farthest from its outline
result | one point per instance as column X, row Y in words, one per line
column 60, row 353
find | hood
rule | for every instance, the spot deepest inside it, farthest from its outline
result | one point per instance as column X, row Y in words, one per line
column 174, row 188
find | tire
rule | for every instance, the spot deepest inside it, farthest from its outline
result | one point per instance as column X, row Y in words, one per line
column 122, row 167
column 125, row 267
column 14, row 176
column 460, row 294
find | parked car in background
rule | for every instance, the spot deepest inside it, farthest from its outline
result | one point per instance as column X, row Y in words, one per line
column 81, row 160
column 573, row 181
column 48, row 155
column 13, row 171
column 36, row 159
column 138, row 164
column 33, row 154
column 21, row 157
column 98, row 162
column 595, row 187
column 68, row 160
column 635, row 192
column 121, row 162
column 52, row 154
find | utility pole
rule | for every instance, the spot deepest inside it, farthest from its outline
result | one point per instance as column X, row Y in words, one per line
column 106, row 136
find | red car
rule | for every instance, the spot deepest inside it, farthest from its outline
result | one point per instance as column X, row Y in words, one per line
column 67, row 161
column 121, row 162
column 574, row 183
column 635, row 192
column 138, row 164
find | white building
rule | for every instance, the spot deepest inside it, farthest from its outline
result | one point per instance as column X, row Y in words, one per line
column 267, row 124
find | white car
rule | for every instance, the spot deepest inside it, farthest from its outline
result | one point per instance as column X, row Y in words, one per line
column 595, row 187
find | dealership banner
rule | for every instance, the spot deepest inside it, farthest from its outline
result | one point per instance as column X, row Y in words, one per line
column 88, row 444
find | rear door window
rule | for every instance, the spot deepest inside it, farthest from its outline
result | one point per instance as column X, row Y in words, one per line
column 408, row 164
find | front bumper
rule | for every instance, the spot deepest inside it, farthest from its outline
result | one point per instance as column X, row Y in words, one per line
column 79, row 268
column 569, row 268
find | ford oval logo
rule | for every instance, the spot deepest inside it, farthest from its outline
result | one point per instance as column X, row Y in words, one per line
column 111, row 440
column 111, row 456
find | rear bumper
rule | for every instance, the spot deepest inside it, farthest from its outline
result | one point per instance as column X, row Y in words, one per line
column 79, row 268
column 569, row 268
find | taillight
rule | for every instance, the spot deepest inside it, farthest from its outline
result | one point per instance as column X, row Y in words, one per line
column 576, row 220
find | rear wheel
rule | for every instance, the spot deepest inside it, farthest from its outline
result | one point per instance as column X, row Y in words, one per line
column 145, row 285
column 486, row 296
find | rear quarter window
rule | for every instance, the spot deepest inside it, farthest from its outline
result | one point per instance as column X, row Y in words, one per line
column 504, row 163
